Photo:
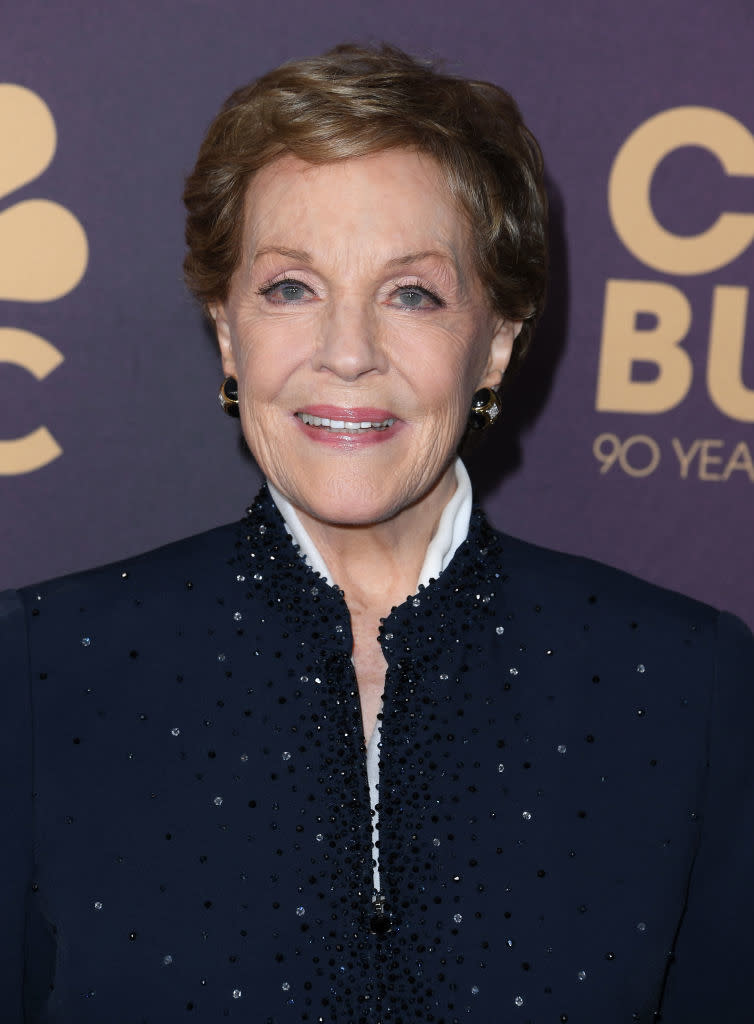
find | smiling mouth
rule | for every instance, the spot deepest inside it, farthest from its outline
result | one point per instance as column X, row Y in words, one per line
column 340, row 425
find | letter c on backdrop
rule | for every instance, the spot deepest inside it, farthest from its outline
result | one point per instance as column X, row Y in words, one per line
column 631, row 181
column 40, row 358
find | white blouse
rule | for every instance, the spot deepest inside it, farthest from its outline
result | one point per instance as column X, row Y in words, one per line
column 451, row 532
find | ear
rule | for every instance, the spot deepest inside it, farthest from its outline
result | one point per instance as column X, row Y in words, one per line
column 224, row 338
column 501, row 347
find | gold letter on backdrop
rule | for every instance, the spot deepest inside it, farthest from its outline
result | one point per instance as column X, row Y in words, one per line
column 726, row 354
column 40, row 358
column 43, row 251
column 623, row 345
column 43, row 256
column 631, row 181
column 27, row 121
column 43, row 248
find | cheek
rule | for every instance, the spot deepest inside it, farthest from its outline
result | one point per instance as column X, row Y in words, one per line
column 452, row 372
column 264, row 364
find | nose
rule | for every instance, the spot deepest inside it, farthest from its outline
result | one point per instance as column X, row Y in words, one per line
column 349, row 344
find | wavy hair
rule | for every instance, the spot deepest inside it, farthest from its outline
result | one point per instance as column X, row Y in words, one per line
column 353, row 101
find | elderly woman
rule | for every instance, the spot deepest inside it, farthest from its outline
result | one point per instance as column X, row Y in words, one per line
column 245, row 775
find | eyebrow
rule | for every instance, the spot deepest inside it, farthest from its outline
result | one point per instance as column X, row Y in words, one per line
column 398, row 261
column 292, row 254
column 414, row 257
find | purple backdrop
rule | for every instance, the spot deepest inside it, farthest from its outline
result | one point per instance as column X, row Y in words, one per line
column 645, row 358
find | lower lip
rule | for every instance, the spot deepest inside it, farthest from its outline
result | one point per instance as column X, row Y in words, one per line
column 352, row 440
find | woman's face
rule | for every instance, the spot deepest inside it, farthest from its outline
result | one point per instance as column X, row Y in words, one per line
column 358, row 331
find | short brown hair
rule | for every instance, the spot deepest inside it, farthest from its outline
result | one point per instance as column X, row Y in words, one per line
column 353, row 101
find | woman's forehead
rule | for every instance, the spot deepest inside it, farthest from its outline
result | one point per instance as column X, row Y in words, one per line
column 397, row 199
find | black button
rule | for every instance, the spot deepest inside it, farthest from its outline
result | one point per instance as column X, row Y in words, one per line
column 380, row 925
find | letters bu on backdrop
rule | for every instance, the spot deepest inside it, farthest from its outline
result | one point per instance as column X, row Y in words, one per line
column 625, row 340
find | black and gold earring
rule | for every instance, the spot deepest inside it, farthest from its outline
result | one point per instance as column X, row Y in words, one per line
column 227, row 396
column 485, row 409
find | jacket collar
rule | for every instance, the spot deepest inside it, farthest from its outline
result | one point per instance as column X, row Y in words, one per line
column 271, row 562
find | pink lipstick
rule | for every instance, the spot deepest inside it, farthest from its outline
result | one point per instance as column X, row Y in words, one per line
column 350, row 426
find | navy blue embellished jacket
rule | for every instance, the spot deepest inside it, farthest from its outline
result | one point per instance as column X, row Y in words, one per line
column 566, row 795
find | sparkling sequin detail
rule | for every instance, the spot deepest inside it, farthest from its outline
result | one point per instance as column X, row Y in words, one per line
column 244, row 764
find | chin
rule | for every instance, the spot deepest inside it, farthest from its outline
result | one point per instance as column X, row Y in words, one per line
column 351, row 506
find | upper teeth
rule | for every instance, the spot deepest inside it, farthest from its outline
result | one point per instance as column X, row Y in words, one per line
column 323, row 421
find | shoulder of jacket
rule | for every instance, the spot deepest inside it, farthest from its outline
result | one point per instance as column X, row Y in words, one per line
column 577, row 580
column 202, row 555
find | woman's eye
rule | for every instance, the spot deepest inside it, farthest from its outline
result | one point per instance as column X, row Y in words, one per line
column 286, row 291
column 414, row 297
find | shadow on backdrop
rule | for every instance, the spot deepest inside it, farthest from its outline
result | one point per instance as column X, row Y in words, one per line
column 525, row 395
